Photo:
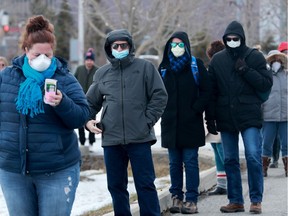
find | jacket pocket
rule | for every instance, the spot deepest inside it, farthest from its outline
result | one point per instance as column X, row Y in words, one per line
column 222, row 101
column 247, row 99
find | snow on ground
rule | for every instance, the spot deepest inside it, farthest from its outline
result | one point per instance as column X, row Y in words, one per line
column 94, row 195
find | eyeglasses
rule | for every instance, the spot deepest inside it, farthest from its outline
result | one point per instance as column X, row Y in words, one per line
column 180, row 44
column 234, row 39
column 122, row 45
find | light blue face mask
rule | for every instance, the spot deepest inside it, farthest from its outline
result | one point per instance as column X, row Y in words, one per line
column 121, row 54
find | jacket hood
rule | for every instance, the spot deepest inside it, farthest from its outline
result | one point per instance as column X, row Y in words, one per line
column 181, row 35
column 237, row 29
column 120, row 34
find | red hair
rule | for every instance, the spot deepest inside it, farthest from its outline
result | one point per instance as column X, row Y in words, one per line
column 37, row 30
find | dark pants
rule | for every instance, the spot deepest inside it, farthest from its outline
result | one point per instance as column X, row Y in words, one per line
column 82, row 138
column 116, row 161
column 276, row 150
column 189, row 158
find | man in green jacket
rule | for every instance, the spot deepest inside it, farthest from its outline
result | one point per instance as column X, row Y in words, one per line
column 84, row 74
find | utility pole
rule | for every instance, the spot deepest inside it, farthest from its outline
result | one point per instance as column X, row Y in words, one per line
column 80, row 32
column 4, row 29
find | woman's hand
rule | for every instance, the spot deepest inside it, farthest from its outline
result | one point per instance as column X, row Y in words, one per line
column 56, row 99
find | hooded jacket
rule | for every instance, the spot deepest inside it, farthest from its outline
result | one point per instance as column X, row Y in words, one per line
column 132, row 95
column 182, row 121
column 275, row 108
column 236, row 106
column 46, row 143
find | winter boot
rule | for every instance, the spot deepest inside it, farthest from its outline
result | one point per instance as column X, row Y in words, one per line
column 176, row 205
column 265, row 165
column 285, row 164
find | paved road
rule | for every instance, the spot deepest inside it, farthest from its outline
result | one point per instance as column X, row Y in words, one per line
column 274, row 200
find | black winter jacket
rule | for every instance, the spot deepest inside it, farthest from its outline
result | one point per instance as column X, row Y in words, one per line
column 236, row 106
column 182, row 121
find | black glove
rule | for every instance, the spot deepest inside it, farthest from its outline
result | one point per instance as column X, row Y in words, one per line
column 211, row 127
column 241, row 66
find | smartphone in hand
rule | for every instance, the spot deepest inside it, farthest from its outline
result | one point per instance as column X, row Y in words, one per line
column 99, row 125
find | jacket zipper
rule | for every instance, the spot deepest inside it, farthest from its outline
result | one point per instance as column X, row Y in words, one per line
column 122, row 104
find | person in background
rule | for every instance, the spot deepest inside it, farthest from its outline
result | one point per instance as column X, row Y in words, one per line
column 258, row 47
column 84, row 74
column 39, row 152
column 283, row 48
column 133, row 98
column 275, row 110
column 3, row 62
column 236, row 108
column 182, row 127
column 215, row 140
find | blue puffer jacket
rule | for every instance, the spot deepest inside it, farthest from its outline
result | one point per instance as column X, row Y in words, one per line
column 47, row 142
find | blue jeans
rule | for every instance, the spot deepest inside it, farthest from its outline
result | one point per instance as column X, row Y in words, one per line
column 188, row 157
column 116, row 161
column 49, row 194
column 270, row 131
column 219, row 162
column 252, row 144
column 219, row 156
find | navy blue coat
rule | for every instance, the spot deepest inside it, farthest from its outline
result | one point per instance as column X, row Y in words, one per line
column 47, row 142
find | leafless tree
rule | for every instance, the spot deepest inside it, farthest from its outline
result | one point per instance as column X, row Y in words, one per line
column 151, row 22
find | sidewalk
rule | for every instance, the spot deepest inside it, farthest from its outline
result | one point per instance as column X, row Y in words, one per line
column 274, row 198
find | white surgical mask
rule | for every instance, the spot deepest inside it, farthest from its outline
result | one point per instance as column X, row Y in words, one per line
column 233, row 44
column 276, row 66
column 177, row 51
column 40, row 63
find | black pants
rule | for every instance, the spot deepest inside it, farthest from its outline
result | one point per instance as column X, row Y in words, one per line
column 276, row 149
column 82, row 138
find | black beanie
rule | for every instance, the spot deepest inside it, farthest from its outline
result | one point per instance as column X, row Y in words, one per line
column 90, row 54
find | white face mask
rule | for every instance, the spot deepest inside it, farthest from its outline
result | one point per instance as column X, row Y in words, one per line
column 40, row 63
column 276, row 66
column 233, row 44
column 178, row 51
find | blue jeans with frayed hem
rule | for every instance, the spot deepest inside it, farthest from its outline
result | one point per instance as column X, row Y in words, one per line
column 49, row 194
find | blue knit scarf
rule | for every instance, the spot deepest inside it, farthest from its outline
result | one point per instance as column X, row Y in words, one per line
column 177, row 64
column 30, row 95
